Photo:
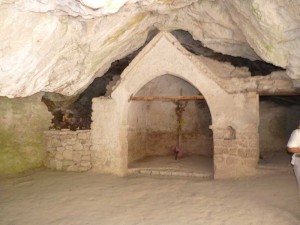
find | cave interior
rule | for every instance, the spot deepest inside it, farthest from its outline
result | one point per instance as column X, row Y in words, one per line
column 153, row 125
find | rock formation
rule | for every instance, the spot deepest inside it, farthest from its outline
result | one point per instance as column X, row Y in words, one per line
column 63, row 45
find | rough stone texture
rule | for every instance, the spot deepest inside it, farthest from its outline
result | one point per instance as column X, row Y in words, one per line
column 106, row 6
column 22, row 122
column 153, row 124
column 236, row 80
column 68, row 150
column 61, row 46
column 277, row 121
column 271, row 29
column 235, row 157
column 164, row 55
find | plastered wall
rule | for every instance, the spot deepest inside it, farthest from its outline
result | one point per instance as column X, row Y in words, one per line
column 22, row 123
column 153, row 124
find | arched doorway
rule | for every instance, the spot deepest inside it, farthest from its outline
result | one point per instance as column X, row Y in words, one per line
column 155, row 130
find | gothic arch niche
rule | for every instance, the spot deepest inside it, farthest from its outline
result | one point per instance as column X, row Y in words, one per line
column 153, row 130
column 234, row 114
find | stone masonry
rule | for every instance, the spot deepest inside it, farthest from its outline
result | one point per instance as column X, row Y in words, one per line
column 236, row 156
column 68, row 150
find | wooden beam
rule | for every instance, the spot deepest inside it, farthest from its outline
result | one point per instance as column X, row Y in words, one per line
column 199, row 97
column 166, row 98
column 279, row 94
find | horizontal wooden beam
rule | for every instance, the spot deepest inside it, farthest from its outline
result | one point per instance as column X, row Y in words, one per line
column 279, row 94
column 199, row 97
column 166, row 98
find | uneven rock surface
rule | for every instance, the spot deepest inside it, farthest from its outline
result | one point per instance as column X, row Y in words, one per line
column 61, row 46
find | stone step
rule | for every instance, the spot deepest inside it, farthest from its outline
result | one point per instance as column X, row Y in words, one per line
column 168, row 172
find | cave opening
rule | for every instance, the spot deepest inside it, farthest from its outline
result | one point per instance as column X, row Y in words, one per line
column 162, row 142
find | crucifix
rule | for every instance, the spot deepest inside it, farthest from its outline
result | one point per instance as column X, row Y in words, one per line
column 180, row 108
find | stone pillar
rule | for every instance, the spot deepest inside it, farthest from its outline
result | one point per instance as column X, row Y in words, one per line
column 107, row 155
column 235, row 156
column 236, row 138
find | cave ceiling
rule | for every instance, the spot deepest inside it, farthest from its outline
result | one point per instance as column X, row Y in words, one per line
column 63, row 45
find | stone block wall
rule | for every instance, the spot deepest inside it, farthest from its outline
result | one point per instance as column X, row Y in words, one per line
column 237, row 155
column 68, row 150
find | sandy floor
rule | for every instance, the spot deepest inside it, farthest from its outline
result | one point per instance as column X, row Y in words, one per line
column 47, row 197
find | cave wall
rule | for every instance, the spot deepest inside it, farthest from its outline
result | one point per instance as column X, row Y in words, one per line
column 23, row 121
column 153, row 124
column 59, row 37
column 277, row 121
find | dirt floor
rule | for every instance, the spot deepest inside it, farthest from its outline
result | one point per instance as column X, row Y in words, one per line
column 46, row 197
